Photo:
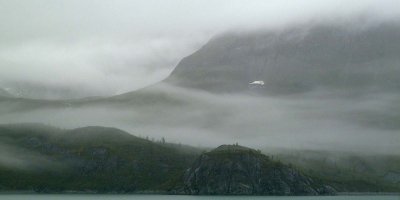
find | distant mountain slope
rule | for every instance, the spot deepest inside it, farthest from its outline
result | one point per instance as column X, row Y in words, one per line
column 346, row 171
column 349, row 57
column 98, row 159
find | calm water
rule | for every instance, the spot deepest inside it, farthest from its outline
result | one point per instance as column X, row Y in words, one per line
column 170, row 197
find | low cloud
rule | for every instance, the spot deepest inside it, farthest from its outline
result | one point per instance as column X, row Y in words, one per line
column 303, row 121
column 69, row 49
column 94, row 67
column 15, row 157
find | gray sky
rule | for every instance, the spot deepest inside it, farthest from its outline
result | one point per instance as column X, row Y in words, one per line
column 101, row 47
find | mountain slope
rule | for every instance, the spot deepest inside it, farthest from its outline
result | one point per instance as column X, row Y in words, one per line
column 97, row 159
column 326, row 60
column 39, row 158
column 237, row 170
column 349, row 57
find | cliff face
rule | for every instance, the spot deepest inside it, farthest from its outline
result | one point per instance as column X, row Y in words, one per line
column 236, row 170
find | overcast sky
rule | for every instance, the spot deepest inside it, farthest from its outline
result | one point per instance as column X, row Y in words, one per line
column 102, row 47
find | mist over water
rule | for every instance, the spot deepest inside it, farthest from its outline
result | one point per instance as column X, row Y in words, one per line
column 307, row 121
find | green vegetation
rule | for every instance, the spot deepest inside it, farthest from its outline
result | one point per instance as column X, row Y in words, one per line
column 347, row 172
column 238, row 170
column 40, row 158
column 94, row 159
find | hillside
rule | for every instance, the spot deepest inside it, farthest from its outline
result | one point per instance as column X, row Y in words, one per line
column 237, row 170
column 346, row 171
column 345, row 76
column 325, row 88
column 350, row 57
column 97, row 159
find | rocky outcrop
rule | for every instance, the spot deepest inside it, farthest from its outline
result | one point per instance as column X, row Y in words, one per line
column 237, row 170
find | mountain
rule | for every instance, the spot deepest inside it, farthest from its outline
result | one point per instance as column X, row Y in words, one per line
column 314, row 63
column 45, row 159
column 91, row 159
column 334, row 59
column 346, row 171
column 5, row 93
column 237, row 170
column 354, row 58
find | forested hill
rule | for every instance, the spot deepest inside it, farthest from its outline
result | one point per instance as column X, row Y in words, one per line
column 98, row 159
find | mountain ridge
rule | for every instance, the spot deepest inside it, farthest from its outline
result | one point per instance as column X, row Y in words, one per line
column 97, row 159
column 238, row 170
column 295, row 60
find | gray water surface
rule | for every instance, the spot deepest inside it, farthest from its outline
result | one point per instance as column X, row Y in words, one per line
column 173, row 197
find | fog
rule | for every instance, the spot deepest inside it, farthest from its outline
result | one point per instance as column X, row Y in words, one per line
column 72, row 49
column 305, row 121
column 24, row 159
